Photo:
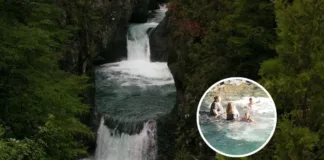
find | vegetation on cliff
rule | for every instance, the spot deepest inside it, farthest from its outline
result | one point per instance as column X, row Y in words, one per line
column 219, row 39
column 279, row 43
column 41, row 105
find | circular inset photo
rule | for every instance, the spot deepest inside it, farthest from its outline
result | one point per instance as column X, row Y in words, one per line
column 236, row 117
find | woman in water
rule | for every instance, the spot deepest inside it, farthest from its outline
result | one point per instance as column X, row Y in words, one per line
column 231, row 112
column 216, row 108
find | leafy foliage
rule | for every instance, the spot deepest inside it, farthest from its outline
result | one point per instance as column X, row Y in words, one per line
column 240, row 40
column 229, row 44
column 86, row 23
column 294, row 79
column 40, row 104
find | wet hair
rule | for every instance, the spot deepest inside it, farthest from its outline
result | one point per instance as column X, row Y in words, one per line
column 229, row 108
column 216, row 97
column 250, row 99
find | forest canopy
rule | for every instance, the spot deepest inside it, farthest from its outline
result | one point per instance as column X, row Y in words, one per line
column 41, row 104
column 279, row 44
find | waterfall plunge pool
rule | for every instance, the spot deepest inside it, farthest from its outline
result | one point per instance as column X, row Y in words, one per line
column 133, row 94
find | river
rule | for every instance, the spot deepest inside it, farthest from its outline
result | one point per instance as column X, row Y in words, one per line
column 133, row 94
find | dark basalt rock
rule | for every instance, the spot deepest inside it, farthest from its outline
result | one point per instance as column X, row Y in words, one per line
column 117, row 14
column 160, row 42
column 149, row 31
column 153, row 5
column 140, row 11
column 162, row 1
column 110, row 40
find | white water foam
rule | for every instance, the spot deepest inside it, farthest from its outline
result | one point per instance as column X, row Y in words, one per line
column 159, row 14
column 138, row 45
column 262, row 112
column 139, row 72
column 261, row 105
column 112, row 146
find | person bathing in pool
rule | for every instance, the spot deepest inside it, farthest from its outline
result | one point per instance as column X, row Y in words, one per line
column 249, row 105
column 216, row 108
column 247, row 118
column 231, row 112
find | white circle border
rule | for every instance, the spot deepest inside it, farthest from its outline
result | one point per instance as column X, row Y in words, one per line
column 220, row 152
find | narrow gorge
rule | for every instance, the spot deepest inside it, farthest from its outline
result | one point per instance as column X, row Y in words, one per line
column 121, row 79
column 131, row 96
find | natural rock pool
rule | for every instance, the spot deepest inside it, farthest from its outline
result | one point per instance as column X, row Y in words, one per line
column 237, row 137
column 133, row 94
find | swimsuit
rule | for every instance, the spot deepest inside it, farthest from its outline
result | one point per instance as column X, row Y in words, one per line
column 230, row 117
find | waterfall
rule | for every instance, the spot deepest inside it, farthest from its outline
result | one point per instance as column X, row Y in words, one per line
column 138, row 45
column 142, row 146
column 133, row 94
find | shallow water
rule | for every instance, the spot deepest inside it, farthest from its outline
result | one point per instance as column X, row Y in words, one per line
column 237, row 137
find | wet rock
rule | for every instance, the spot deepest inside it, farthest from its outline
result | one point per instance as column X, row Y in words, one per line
column 119, row 13
column 153, row 5
column 162, row 1
column 140, row 11
column 149, row 31
column 160, row 42
column 113, row 45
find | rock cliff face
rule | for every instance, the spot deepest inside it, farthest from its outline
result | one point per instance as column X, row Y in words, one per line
column 100, row 34
column 140, row 11
column 103, row 24
column 160, row 42
column 174, row 49
column 164, row 49
column 116, row 14
column 119, row 13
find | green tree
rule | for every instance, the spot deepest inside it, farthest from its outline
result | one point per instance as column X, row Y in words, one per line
column 86, row 23
column 215, row 40
column 295, row 79
column 40, row 104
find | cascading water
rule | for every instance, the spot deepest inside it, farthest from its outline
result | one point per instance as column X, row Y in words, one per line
column 132, row 94
column 138, row 45
column 124, row 146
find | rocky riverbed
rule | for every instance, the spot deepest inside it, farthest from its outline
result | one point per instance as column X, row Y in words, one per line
column 238, row 89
